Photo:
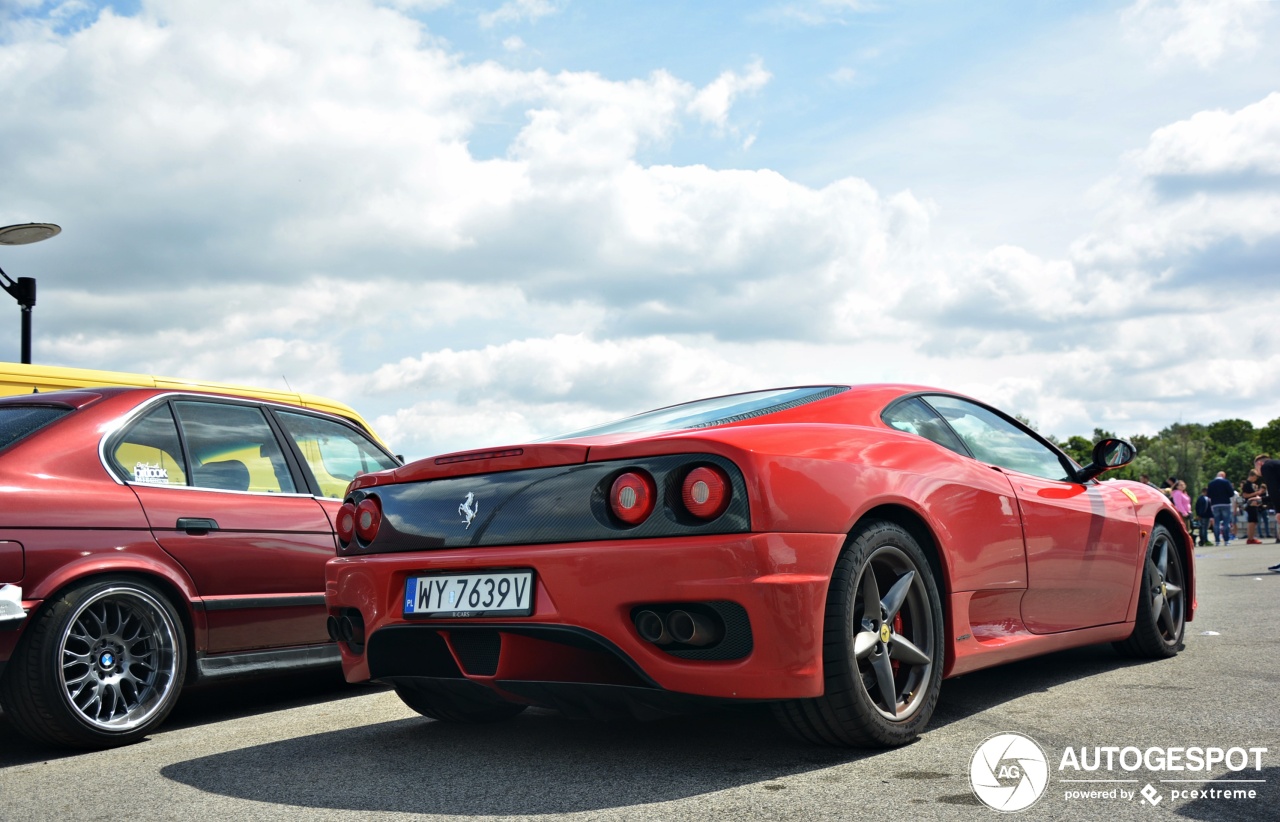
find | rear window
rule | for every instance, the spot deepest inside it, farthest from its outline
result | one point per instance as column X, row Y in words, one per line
column 711, row 412
column 18, row 421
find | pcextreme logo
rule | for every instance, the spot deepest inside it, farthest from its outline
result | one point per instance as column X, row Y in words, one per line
column 1009, row 772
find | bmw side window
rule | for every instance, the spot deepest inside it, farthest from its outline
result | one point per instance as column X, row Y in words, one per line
column 915, row 417
column 149, row 451
column 994, row 440
column 233, row 448
column 335, row 453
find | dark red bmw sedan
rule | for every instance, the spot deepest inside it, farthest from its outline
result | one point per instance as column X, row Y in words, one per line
column 151, row 538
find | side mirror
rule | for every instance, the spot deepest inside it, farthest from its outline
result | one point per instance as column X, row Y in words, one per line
column 1107, row 454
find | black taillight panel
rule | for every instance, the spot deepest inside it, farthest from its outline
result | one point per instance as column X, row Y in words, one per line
column 544, row 505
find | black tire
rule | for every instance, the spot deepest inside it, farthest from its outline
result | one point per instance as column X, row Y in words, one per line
column 866, row 655
column 1161, row 623
column 458, row 701
column 100, row 665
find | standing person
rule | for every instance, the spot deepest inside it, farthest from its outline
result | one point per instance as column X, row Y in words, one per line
column 1251, row 494
column 1221, row 492
column 1269, row 470
column 1182, row 502
column 1204, row 516
column 1264, row 516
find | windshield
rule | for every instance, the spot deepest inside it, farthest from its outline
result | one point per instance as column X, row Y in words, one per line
column 714, row 411
column 18, row 421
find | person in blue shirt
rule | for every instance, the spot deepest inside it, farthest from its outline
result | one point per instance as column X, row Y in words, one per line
column 1204, row 516
column 1221, row 492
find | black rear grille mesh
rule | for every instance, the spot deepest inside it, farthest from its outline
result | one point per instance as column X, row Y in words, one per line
column 478, row 651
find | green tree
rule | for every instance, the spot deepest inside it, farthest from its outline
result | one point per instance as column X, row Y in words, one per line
column 1078, row 448
column 1238, row 461
column 1269, row 438
column 1230, row 432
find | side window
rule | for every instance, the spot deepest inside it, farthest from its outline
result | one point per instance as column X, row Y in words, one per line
column 149, row 451
column 916, row 417
column 993, row 439
column 334, row 453
column 233, row 448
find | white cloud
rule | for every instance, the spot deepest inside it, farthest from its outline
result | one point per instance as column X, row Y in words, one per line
column 1204, row 183
column 819, row 12
column 416, row 5
column 1217, row 142
column 844, row 75
column 712, row 102
column 294, row 191
column 1202, row 30
column 519, row 10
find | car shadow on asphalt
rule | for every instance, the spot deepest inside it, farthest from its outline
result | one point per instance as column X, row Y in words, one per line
column 542, row 763
column 982, row 690
column 207, row 704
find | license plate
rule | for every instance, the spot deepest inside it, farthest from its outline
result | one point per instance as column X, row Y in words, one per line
column 497, row 593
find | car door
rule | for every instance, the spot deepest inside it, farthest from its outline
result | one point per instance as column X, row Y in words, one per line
column 331, row 453
column 1080, row 537
column 227, row 501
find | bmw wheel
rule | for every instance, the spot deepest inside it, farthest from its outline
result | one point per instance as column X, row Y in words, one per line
column 99, row 666
column 882, row 646
column 1162, row 604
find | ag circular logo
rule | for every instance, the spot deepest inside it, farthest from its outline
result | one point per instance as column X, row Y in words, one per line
column 1009, row 772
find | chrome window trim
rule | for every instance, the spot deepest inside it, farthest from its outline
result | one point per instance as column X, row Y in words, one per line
column 110, row 430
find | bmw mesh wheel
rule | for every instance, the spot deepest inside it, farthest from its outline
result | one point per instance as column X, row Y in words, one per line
column 99, row 666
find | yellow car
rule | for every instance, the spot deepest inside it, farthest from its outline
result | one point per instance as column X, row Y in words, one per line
column 26, row 379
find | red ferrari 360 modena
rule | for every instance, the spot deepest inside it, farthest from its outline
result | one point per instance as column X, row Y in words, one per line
column 150, row 538
column 837, row 551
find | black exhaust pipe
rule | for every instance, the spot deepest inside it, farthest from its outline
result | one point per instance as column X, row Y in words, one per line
column 690, row 628
column 651, row 628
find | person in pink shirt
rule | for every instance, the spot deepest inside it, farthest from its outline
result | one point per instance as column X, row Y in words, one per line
column 1182, row 502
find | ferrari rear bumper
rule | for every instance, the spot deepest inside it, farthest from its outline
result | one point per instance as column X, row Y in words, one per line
column 580, row 650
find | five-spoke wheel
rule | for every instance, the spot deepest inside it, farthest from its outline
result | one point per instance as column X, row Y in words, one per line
column 882, row 645
column 895, row 632
column 1162, row 605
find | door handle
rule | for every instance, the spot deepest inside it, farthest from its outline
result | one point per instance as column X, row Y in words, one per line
column 197, row 526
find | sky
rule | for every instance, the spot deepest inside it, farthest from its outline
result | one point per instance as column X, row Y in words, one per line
column 485, row 222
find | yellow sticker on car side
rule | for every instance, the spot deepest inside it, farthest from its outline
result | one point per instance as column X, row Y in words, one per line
column 1128, row 493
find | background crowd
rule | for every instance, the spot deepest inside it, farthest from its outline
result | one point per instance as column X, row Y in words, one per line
column 1225, row 510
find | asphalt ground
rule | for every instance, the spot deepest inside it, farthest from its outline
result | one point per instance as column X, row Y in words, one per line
column 315, row 748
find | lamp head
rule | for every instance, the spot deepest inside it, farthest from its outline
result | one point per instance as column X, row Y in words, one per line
column 28, row 233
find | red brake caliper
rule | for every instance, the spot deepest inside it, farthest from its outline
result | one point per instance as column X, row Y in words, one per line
column 897, row 629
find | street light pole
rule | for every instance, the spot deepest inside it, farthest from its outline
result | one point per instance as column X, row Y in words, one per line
column 23, row 289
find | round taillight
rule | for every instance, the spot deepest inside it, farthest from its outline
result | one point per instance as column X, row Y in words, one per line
column 631, row 497
column 705, row 492
column 368, row 518
column 346, row 523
